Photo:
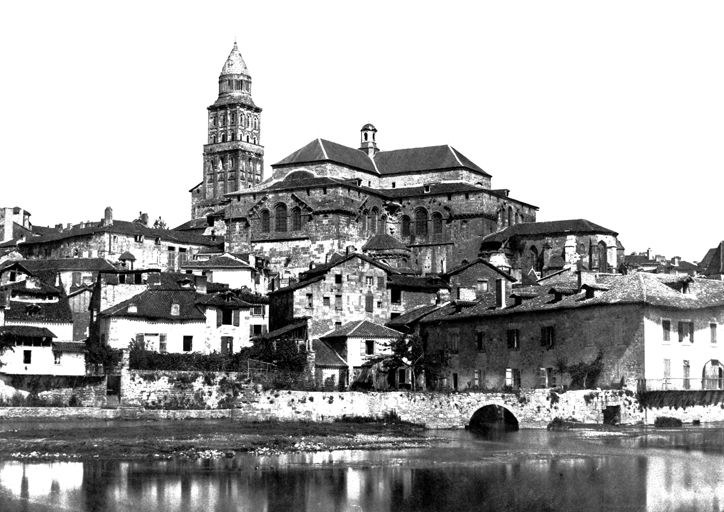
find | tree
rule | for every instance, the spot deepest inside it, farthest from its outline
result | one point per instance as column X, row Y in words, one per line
column 584, row 375
column 408, row 351
column 7, row 341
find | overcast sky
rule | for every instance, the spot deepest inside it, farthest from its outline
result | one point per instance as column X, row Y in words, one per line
column 608, row 111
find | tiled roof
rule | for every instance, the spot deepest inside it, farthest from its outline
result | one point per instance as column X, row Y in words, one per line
column 531, row 229
column 300, row 324
column 323, row 269
column 326, row 356
column 662, row 290
column 224, row 261
column 478, row 261
column 193, row 225
column 384, row 242
column 361, row 329
column 428, row 283
column 26, row 331
column 156, row 305
column 707, row 259
column 432, row 189
column 62, row 264
column 77, row 347
column 125, row 228
column 412, row 316
column 298, row 285
column 430, row 158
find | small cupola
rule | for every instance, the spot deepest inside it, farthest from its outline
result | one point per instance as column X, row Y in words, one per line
column 368, row 140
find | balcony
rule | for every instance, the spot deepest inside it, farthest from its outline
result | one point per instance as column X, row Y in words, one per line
column 681, row 384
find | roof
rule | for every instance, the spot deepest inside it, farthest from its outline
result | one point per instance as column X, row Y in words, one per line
column 323, row 269
column 40, row 310
column 234, row 64
column 660, row 290
column 384, row 242
column 26, row 331
column 478, row 261
column 422, row 283
column 533, row 229
column 124, row 228
column 61, row 264
column 324, row 355
column 193, row 225
column 156, row 305
column 399, row 161
column 276, row 333
column 225, row 261
column 412, row 316
column 361, row 329
column 78, row 347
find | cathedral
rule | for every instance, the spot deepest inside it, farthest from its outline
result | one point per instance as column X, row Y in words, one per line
column 422, row 209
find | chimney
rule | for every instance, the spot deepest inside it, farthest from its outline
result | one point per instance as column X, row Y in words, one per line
column 8, row 225
column 200, row 284
column 579, row 273
column 676, row 260
column 442, row 296
column 144, row 219
column 499, row 293
column 649, row 254
column 108, row 216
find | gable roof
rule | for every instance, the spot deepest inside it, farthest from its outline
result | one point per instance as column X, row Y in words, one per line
column 478, row 261
column 412, row 316
column 156, row 305
column 327, row 356
column 323, row 269
column 361, row 329
column 225, row 261
column 321, row 150
column 26, row 331
column 33, row 267
column 384, row 242
column 40, row 310
column 556, row 227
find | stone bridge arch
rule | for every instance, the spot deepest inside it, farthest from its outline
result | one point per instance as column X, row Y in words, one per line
column 494, row 417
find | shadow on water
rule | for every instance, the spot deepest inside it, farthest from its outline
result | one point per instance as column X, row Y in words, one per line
column 492, row 421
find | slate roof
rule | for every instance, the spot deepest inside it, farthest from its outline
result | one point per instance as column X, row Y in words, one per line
column 430, row 158
column 156, row 305
column 361, row 329
column 124, row 228
column 26, row 331
column 326, row 356
column 556, row 227
column 384, row 242
column 661, row 290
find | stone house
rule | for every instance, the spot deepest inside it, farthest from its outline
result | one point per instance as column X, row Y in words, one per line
column 652, row 331
column 473, row 279
column 546, row 247
column 163, row 249
column 359, row 344
column 38, row 317
column 231, row 270
column 326, row 197
column 351, row 287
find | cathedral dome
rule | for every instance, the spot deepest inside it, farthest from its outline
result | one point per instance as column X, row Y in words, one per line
column 234, row 64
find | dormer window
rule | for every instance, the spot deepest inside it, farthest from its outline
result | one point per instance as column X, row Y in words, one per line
column 138, row 239
column 426, row 189
column 132, row 308
column 175, row 310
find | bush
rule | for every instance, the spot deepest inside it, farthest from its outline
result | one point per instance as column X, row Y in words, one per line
column 667, row 421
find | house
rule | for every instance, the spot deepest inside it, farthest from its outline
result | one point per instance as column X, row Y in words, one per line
column 471, row 280
column 648, row 330
column 37, row 318
column 231, row 270
column 546, row 247
column 648, row 262
column 164, row 249
column 712, row 264
column 358, row 345
column 351, row 287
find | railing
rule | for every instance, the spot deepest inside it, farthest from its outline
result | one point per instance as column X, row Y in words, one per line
column 254, row 365
column 680, row 384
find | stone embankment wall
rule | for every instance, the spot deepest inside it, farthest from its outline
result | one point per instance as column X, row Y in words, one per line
column 83, row 391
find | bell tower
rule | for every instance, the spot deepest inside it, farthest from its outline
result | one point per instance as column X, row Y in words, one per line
column 233, row 154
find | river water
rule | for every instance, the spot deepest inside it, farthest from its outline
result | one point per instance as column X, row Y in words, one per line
column 578, row 470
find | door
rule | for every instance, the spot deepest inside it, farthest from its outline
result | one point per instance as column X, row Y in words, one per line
column 227, row 345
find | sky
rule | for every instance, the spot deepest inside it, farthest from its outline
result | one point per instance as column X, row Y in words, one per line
column 608, row 111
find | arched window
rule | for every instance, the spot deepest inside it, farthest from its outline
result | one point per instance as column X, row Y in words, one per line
column 405, row 225
column 233, row 136
column 213, row 139
column 280, row 218
column 265, row 224
column 421, row 222
column 296, row 218
column 511, row 218
column 602, row 257
column 363, row 218
column 232, row 163
column 437, row 223
column 373, row 220
column 223, row 137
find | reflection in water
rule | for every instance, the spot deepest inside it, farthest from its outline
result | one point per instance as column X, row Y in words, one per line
column 528, row 470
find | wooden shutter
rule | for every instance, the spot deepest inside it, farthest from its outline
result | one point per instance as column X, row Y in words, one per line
column 236, row 317
column 369, row 303
column 139, row 341
column 219, row 316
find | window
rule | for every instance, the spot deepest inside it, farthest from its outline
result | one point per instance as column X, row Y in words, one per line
column 476, row 378
column 162, row 346
column 381, row 282
column 325, row 302
column 667, row 372
column 482, row 287
column 546, row 378
column 513, row 338
column 480, row 341
column 547, row 336
column 454, row 342
column 396, row 295
column 56, row 357
column 338, row 302
column 368, row 281
column 712, row 330
column 421, row 222
column 369, row 303
column 227, row 316
column 296, row 218
column 369, row 347
column 338, row 279
column 27, row 356
column 512, row 377
column 188, row 343
column 666, row 328
column 13, row 276
column 257, row 310
column 175, row 310
column 138, row 238
column 686, row 332
column 265, row 221
column 280, row 218
column 227, row 345
column 405, row 225
column 687, row 370
column 310, row 301
column 437, row 223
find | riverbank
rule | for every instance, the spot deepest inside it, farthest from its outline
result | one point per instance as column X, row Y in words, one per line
column 132, row 439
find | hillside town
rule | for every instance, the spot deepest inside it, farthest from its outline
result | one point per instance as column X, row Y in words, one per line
column 378, row 269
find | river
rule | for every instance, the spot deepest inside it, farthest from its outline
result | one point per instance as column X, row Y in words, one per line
column 577, row 470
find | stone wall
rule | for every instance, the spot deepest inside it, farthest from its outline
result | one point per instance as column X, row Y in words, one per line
column 81, row 391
